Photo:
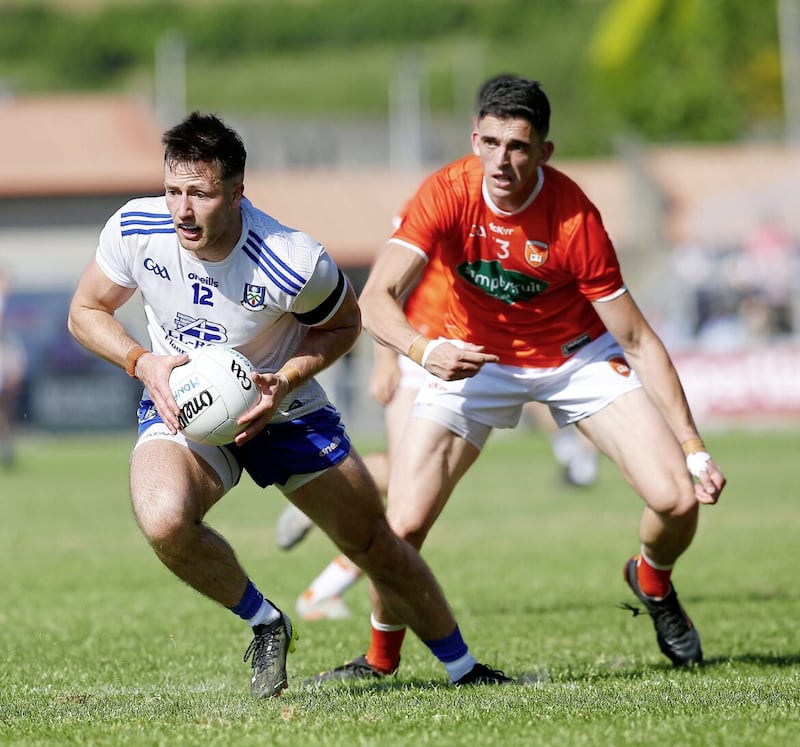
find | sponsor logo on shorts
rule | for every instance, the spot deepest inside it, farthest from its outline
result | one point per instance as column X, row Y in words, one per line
column 331, row 447
column 620, row 365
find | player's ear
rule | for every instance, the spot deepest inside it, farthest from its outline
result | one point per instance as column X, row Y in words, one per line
column 237, row 194
column 476, row 139
column 548, row 146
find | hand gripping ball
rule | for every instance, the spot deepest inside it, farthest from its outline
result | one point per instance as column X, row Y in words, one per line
column 213, row 390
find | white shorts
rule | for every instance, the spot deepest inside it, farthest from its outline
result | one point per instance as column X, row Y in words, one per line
column 593, row 378
column 412, row 375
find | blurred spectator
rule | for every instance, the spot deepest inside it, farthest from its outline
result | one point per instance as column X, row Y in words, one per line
column 767, row 271
column 13, row 364
column 741, row 294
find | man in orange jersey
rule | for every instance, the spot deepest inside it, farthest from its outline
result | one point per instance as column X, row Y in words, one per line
column 394, row 383
column 538, row 311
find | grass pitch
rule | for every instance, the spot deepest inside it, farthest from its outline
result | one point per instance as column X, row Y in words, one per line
column 101, row 645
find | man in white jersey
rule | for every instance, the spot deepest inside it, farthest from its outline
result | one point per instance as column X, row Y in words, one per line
column 213, row 269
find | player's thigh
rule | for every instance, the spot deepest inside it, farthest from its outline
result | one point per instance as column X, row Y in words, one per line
column 170, row 485
column 634, row 435
column 427, row 465
column 396, row 414
column 344, row 502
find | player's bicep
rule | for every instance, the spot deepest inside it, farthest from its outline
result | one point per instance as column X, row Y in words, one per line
column 96, row 291
column 322, row 295
column 623, row 319
column 396, row 270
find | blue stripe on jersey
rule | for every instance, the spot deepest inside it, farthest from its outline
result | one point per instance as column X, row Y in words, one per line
column 139, row 214
column 165, row 222
column 276, row 269
column 146, row 223
column 134, row 231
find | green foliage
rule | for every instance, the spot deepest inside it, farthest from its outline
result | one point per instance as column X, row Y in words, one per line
column 101, row 645
column 667, row 70
column 691, row 69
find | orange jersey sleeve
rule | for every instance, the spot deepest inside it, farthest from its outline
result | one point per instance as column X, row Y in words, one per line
column 522, row 284
column 426, row 305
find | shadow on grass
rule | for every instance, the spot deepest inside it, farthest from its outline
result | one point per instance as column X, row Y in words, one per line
column 620, row 670
column 753, row 597
column 760, row 660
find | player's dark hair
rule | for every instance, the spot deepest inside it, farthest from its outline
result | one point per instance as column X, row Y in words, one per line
column 205, row 138
column 514, row 97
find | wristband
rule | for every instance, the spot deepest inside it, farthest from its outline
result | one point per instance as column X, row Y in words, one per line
column 417, row 348
column 132, row 358
column 697, row 461
column 291, row 374
column 429, row 348
column 692, row 445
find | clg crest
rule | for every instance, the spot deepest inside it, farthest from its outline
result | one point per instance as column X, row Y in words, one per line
column 253, row 298
column 536, row 253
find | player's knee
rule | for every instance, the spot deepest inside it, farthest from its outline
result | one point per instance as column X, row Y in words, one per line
column 383, row 554
column 412, row 527
column 676, row 498
column 164, row 528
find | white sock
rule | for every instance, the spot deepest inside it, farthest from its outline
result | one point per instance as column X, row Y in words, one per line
column 383, row 627
column 267, row 613
column 458, row 668
column 652, row 563
column 337, row 577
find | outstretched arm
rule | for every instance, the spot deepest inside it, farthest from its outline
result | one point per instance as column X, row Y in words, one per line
column 395, row 271
column 647, row 355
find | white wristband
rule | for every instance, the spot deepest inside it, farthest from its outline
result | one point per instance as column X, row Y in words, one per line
column 429, row 348
column 697, row 461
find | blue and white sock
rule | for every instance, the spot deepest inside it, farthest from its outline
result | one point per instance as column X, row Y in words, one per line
column 254, row 609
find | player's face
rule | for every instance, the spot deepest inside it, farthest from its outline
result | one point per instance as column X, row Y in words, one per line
column 511, row 152
column 204, row 209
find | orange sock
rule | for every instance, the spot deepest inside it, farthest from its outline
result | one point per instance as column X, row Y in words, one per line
column 384, row 649
column 652, row 581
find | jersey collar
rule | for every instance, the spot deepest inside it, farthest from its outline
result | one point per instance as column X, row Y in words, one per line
column 524, row 206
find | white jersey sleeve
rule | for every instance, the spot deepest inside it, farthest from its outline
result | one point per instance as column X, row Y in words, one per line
column 322, row 294
column 112, row 256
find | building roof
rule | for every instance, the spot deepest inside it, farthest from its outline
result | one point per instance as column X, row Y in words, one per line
column 75, row 145
column 72, row 145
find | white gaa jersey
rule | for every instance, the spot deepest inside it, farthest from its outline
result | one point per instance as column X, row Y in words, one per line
column 259, row 299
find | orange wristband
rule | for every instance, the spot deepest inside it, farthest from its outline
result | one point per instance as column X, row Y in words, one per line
column 291, row 374
column 132, row 358
column 692, row 445
column 417, row 348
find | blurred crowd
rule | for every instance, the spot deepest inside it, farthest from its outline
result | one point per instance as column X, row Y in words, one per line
column 13, row 365
column 741, row 294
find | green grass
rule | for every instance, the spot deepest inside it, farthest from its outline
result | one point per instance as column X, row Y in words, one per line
column 101, row 645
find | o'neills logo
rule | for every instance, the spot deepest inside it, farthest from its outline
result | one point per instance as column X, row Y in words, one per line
column 193, row 407
column 536, row 253
column 620, row 365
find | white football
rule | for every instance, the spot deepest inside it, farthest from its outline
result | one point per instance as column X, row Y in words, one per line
column 213, row 390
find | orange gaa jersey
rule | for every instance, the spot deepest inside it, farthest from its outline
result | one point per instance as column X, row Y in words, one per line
column 426, row 305
column 523, row 283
